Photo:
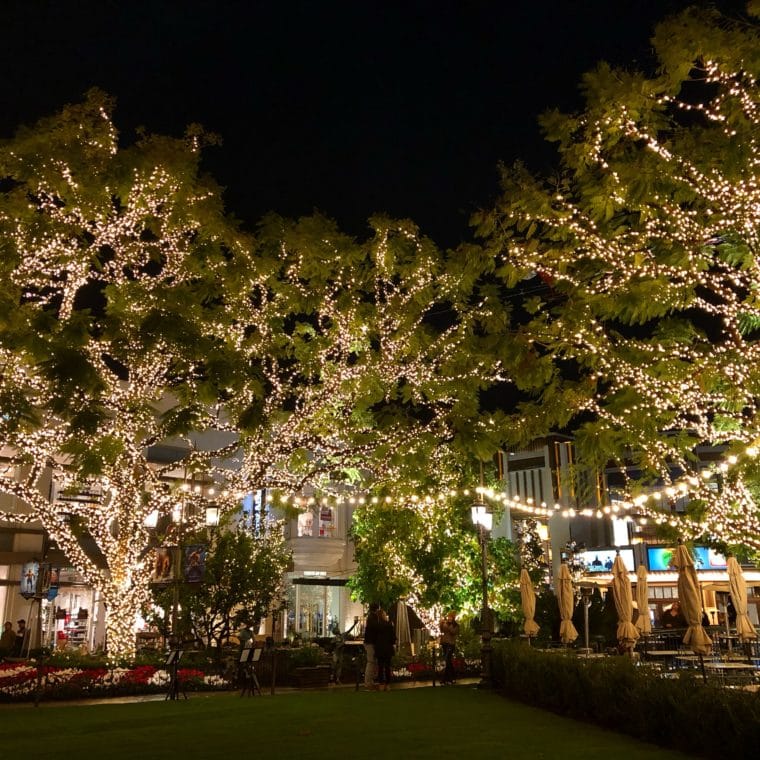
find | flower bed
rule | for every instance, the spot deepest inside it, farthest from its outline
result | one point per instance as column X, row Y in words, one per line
column 18, row 681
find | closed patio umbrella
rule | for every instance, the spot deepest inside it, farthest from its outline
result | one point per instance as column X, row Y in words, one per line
column 403, row 632
column 643, row 623
column 737, row 587
column 690, row 597
column 566, row 602
column 528, row 598
column 627, row 633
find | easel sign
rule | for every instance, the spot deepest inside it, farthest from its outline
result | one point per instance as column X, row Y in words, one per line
column 251, row 654
column 174, row 657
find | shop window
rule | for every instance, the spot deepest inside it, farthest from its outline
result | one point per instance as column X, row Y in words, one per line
column 319, row 522
column 326, row 522
column 306, row 523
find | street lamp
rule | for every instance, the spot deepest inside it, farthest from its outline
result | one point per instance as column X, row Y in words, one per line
column 483, row 518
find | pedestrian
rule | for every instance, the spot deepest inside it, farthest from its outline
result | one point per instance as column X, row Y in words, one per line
column 449, row 633
column 7, row 640
column 385, row 647
column 22, row 634
column 673, row 617
column 370, row 636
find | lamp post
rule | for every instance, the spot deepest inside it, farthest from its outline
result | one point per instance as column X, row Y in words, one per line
column 483, row 518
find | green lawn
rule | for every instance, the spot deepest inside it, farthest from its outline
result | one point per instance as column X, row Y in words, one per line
column 460, row 722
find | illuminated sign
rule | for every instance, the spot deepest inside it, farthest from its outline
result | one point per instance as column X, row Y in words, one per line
column 600, row 560
column 660, row 558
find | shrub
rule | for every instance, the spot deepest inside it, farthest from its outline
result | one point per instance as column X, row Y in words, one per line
column 683, row 713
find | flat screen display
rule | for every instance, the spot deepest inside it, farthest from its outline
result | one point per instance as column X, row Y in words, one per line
column 600, row 560
column 659, row 558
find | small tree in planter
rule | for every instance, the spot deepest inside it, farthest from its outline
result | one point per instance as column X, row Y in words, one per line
column 309, row 667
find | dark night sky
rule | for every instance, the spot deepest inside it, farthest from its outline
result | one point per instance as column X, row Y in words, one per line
column 346, row 107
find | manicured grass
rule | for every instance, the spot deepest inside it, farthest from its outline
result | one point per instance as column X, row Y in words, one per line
column 460, row 722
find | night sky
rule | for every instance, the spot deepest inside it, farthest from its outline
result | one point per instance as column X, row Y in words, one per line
column 345, row 107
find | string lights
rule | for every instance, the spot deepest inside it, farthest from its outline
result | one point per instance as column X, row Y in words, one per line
column 647, row 248
column 138, row 324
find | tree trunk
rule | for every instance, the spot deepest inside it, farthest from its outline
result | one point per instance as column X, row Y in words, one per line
column 123, row 608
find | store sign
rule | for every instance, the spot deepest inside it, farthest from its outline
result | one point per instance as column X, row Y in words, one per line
column 71, row 576
column 30, row 573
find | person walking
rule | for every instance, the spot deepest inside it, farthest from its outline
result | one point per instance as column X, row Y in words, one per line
column 370, row 637
column 385, row 646
column 449, row 633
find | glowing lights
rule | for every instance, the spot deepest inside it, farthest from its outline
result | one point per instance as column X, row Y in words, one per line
column 646, row 248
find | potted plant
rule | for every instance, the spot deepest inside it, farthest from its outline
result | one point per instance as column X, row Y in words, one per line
column 309, row 667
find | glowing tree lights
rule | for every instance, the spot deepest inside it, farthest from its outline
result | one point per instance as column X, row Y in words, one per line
column 646, row 246
column 135, row 318
column 112, row 321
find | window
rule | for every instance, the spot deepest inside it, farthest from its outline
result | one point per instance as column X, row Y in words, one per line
column 317, row 521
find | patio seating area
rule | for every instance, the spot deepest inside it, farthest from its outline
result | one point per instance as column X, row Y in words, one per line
column 729, row 663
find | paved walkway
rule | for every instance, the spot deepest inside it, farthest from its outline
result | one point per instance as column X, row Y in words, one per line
column 265, row 692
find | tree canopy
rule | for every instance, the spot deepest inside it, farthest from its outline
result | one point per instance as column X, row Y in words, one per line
column 644, row 316
column 158, row 356
column 428, row 553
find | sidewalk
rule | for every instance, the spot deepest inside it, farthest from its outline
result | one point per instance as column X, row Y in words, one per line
column 265, row 692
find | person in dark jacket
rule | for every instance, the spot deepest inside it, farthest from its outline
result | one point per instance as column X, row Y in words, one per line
column 385, row 646
column 673, row 617
column 370, row 634
column 449, row 633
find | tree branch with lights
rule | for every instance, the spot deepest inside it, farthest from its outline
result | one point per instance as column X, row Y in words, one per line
column 138, row 319
column 645, row 248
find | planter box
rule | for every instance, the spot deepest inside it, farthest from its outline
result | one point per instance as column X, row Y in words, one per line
column 314, row 677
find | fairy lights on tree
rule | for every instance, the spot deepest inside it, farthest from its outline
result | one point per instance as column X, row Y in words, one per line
column 135, row 315
column 646, row 245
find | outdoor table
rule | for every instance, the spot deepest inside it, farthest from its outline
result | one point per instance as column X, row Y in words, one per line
column 729, row 666
column 668, row 656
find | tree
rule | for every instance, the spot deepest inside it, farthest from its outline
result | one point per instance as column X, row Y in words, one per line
column 118, row 265
column 244, row 575
column 368, row 355
column 137, row 315
column 644, row 315
column 428, row 553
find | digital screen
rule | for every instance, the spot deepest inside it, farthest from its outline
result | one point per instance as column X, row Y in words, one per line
column 600, row 560
column 659, row 558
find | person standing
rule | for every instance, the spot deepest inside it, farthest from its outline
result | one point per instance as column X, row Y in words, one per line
column 370, row 637
column 22, row 634
column 7, row 640
column 385, row 646
column 673, row 617
column 449, row 633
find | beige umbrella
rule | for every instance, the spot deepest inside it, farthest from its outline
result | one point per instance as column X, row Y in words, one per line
column 627, row 633
column 737, row 587
column 690, row 597
column 528, row 597
column 643, row 623
column 403, row 631
column 566, row 601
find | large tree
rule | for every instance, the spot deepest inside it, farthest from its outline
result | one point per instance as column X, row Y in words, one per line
column 427, row 552
column 242, row 582
column 138, row 319
column 644, row 310
column 116, row 263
